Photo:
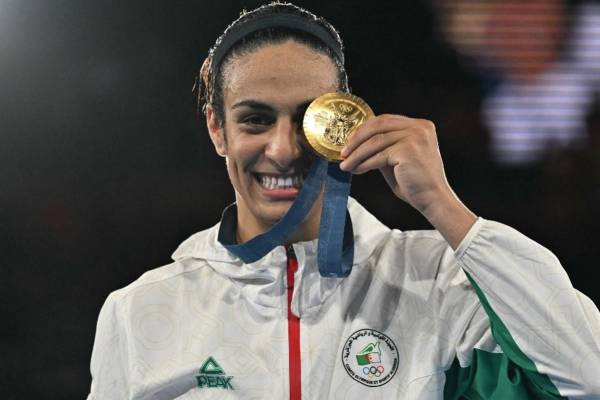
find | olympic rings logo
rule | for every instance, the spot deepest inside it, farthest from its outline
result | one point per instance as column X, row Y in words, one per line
column 373, row 372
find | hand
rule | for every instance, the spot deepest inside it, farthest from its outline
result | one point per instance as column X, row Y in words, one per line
column 406, row 152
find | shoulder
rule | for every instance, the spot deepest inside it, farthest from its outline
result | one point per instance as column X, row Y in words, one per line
column 190, row 259
column 423, row 263
column 379, row 246
column 425, row 250
column 422, row 258
column 419, row 243
column 377, row 238
column 158, row 286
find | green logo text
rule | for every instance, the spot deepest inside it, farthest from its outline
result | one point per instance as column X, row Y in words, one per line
column 211, row 375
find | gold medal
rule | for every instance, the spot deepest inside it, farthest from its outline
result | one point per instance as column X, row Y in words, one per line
column 330, row 119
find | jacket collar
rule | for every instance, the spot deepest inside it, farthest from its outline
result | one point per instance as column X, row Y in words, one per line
column 208, row 244
column 263, row 280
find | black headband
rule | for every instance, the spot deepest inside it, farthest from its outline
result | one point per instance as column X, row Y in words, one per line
column 241, row 30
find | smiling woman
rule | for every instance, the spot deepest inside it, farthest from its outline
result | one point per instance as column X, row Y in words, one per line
column 261, row 135
column 254, row 95
column 432, row 314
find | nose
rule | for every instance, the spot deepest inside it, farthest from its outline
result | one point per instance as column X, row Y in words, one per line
column 284, row 146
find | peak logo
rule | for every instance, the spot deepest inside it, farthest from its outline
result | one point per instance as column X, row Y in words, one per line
column 211, row 375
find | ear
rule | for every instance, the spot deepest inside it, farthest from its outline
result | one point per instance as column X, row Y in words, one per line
column 217, row 135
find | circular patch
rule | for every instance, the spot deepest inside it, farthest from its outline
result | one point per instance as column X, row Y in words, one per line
column 370, row 357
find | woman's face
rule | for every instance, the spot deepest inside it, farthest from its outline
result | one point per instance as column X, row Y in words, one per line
column 265, row 95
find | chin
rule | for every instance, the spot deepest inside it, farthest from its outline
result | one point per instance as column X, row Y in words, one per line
column 274, row 213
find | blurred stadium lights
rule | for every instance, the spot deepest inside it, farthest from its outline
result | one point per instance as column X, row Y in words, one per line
column 540, row 62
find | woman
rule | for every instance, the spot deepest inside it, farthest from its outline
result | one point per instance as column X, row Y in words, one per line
column 471, row 309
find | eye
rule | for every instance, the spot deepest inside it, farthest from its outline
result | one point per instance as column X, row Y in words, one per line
column 256, row 120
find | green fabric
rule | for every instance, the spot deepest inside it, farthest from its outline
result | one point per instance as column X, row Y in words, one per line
column 491, row 376
column 507, row 375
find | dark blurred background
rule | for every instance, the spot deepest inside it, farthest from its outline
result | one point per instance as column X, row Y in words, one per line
column 105, row 168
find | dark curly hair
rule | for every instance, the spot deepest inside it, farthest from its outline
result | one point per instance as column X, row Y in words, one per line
column 209, row 83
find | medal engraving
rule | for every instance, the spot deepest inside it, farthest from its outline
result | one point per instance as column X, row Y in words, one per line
column 330, row 119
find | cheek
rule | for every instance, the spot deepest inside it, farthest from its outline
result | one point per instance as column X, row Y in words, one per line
column 244, row 152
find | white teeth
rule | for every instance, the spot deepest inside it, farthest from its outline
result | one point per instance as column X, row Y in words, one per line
column 271, row 182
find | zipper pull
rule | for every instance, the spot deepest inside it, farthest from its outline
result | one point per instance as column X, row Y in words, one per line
column 289, row 251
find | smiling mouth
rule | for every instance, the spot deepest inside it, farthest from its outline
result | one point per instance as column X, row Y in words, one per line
column 279, row 182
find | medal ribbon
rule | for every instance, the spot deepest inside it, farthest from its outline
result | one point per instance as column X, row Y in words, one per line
column 333, row 259
column 333, row 228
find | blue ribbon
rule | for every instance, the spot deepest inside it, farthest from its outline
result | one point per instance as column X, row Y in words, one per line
column 333, row 258
column 332, row 228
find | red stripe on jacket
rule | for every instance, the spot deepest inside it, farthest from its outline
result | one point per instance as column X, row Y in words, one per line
column 293, row 331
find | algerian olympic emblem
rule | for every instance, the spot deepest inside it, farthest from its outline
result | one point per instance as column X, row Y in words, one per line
column 370, row 357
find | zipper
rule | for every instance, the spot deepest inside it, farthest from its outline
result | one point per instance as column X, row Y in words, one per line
column 293, row 330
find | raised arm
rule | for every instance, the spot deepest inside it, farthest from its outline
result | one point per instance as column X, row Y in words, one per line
column 548, row 333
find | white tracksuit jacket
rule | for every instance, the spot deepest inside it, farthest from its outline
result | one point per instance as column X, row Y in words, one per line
column 496, row 319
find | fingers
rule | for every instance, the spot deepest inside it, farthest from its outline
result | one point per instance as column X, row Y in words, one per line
column 380, row 124
column 378, row 161
column 381, row 141
column 375, row 147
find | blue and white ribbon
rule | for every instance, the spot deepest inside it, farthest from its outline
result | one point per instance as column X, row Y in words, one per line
column 333, row 259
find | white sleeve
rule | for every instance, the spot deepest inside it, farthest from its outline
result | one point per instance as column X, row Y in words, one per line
column 539, row 320
column 109, row 356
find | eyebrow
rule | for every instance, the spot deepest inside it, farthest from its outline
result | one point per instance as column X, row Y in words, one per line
column 259, row 105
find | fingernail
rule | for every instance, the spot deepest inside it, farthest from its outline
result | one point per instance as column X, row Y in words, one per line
column 344, row 151
column 343, row 165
